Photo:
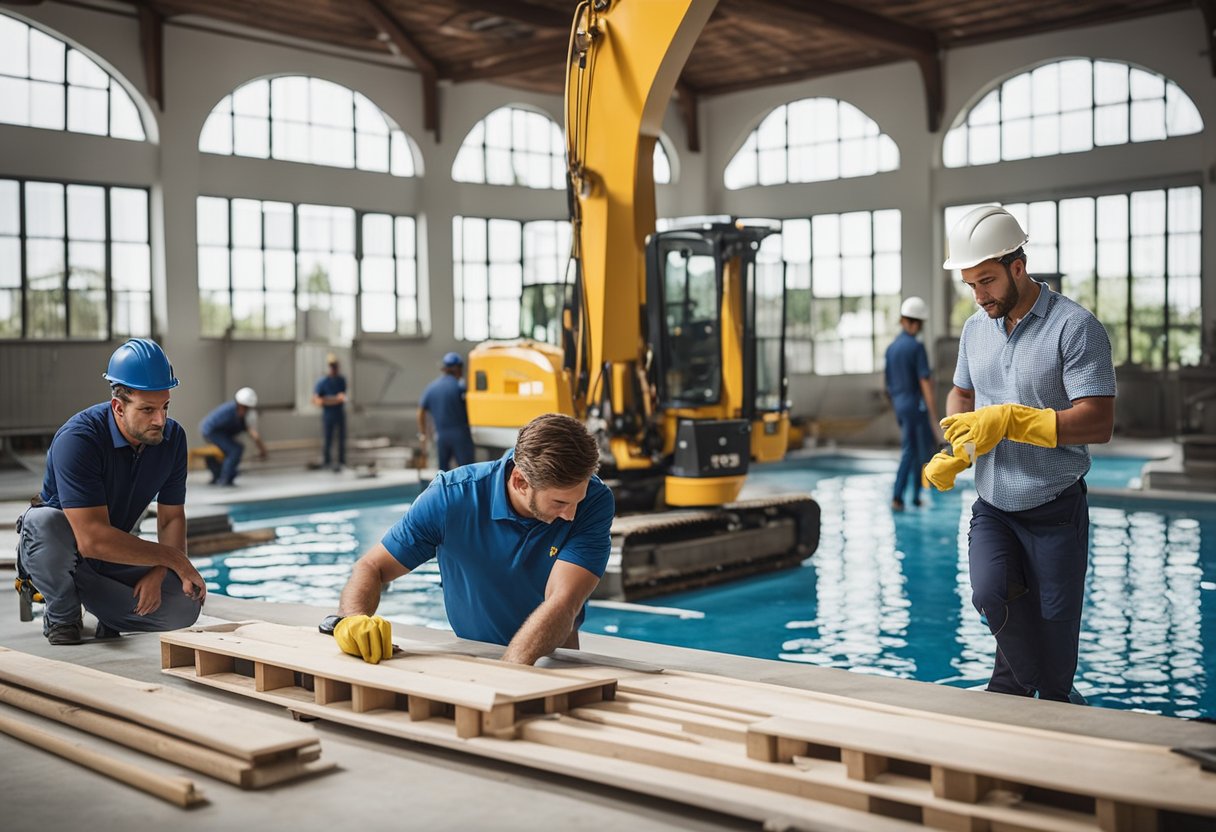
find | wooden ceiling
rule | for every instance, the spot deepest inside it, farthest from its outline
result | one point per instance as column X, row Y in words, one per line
column 746, row 44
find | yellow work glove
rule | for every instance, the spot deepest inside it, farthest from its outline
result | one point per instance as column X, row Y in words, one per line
column 368, row 637
column 940, row 471
column 986, row 427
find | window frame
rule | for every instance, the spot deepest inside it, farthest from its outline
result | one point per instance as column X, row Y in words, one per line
column 22, row 237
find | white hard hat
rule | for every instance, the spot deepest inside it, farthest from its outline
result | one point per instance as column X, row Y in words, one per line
column 247, row 396
column 915, row 308
column 986, row 233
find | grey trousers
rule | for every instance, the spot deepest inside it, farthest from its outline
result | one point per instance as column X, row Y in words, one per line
column 66, row 579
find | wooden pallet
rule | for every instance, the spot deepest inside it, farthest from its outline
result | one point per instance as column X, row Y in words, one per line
column 224, row 741
column 481, row 696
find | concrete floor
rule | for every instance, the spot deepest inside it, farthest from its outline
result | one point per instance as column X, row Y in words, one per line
column 383, row 781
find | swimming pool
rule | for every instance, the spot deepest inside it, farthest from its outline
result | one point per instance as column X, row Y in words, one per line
column 885, row 594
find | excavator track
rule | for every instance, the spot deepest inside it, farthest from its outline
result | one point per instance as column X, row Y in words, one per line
column 657, row 553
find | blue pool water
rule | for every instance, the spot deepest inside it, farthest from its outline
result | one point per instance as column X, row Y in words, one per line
column 885, row 594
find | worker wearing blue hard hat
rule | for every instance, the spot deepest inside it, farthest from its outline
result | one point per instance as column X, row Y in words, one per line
column 443, row 399
column 79, row 541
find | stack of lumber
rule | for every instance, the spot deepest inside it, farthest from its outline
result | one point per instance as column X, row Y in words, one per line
column 219, row 739
column 753, row 750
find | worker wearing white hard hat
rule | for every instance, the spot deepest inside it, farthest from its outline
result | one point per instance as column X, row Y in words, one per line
column 223, row 425
column 909, row 387
column 1034, row 385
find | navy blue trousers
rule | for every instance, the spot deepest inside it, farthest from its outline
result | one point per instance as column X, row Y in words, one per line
column 333, row 427
column 449, row 445
column 1028, row 581
column 225, row 472
column 916, row 449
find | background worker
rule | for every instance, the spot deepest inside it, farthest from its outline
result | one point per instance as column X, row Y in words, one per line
column 223, row 425
column 910, row 389
column 522, row 540
column 330, row 396
column 443, row 399
column 1034, row 385
column 104, row 466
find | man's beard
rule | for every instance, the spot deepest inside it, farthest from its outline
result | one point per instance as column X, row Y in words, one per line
column 150, row 437
column 1003, row 305
column 535, row 509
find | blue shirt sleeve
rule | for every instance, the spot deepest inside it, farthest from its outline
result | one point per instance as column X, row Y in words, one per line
column 962, row 372
column 589, row 544
column 173, row 492
column 425, row 402
column 320, row 385
column 414, row 538
column 78, row 471
column 922, row 362
column 1088, row 367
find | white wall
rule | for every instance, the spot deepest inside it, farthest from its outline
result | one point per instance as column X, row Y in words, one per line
column 388, row 373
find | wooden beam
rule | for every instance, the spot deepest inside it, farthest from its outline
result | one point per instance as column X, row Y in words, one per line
column 399, row 41
column 538, row 16
column 686, row 97
column 1208, row 8
column 935, row 97
column 151, row 44
column 551, row 54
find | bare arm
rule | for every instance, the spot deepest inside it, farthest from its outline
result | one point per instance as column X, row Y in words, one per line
column 926, row 390
column 1089, row 421
column 97, row 539
column 361, row 595
column 959, row 400
column 551, row 625
column 421, row 423
column 257, row 440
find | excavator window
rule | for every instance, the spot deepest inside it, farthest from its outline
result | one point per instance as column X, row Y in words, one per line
column 692, row 315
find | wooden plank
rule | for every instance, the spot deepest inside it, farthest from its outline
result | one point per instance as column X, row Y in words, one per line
column 959, row 785
column 692, row 723
column 179, row 791
column 173, row 656
column 210, row 723
column 364, row 699
column 327, row 691
column 500, row 722
column 642, row 724
column 557, row 703
column 468, row 722
column 1115, row 816
column 206, row 663
column 862, row 766
column 421, row 708
column 269, row 677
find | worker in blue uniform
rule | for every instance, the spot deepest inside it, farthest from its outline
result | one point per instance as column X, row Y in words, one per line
column 522, row 541
column 223, row 425
column 330, row 396
column 443, row 399
column 909, row 386
column 79, row 543
column 1034, row 385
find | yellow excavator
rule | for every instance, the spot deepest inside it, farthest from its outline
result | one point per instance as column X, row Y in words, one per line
column 669, row 345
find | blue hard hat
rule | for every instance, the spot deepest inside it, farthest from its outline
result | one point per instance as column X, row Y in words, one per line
column 141, row 365
column 453, row 359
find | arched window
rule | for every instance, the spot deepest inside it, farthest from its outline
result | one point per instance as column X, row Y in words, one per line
column 46, row 83
column 662, row 164
column 513, row 146
column 1069, row 107
column 811, row 140
column 296, row 118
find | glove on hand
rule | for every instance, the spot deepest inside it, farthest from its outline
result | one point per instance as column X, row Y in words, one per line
column 942, row 469
column 986, row 427
column 368, row 637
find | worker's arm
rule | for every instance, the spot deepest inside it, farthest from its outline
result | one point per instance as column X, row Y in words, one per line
column 257, row 440
column 959, row 400
column 1090, row 421
column 551, row 625
column 926, row 390
column 170, row 531
column 97, row 539
column 361, row 595
column 422, row 424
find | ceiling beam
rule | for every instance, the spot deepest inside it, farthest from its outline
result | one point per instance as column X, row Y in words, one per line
column 921, row 45
column 1208, row 7
column 539, row 16
column 151, row 45
column 686, row 99
column 399, row 41
column 551, row 54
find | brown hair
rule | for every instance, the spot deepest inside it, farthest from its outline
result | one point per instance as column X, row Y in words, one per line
column 556, row 451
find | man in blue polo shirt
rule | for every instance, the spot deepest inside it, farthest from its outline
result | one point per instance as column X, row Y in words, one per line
column 522, row 542
column 105, row 465
column 330, row 396
column 910, row 388
column 223, row 425
column 1034, row 385
column 443, row 398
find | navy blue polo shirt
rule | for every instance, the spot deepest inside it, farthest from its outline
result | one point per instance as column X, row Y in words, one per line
column 495, row 563
column 443, row 398
column 331, row 386
column 223, row 420
column 907, row 363
column 91, row 464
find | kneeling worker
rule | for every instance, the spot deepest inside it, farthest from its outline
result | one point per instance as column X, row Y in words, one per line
column 522, row 541
column 223, row 425
column 104, row 466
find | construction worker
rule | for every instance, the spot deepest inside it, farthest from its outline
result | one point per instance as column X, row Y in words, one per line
column 909, row 386
column 522, row 542
column 223, row 425
column 330, row 396
column 79, row 544
column 443, row 399
column 1034, row 385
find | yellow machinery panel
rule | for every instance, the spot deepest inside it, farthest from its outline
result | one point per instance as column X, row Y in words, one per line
column 511, row 383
